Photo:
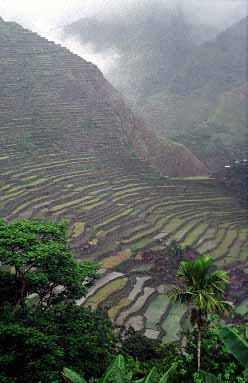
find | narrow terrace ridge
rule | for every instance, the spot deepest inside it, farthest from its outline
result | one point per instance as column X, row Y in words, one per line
column 52, row 99
column 70, row 149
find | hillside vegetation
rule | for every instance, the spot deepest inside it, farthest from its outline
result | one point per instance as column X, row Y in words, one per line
column 48, row 93
column 188, row 81
column 43, row 326
column 72, row 150
column 204, row 106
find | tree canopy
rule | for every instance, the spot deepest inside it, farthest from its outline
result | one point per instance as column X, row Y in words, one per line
column 36, row 259
column 42, row 329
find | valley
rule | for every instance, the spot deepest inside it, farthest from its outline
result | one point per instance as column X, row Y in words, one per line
column 71, row 150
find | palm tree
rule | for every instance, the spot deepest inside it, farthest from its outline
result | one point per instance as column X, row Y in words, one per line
column 202, row 288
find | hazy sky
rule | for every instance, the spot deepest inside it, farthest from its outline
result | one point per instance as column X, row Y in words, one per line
column 47, row 16
column 45, row 13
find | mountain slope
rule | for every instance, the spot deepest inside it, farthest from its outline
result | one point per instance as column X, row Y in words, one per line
column 215, row 66
column 149, row 45
column 49, row 93
column 66, row 154
column 208, row 96
column 173, row 76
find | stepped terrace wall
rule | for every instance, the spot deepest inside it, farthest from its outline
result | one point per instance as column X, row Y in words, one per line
column 48, row 93
column 124, row 220
column 65, row 154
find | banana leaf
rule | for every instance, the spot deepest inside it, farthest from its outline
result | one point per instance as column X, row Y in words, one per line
column 246, row 373
column 168, row 376
column 120, row 362
column 71, row 376
column 117, row 371
column 118, row 377
column 236, row 345
column 209, row 378
column 152, row 377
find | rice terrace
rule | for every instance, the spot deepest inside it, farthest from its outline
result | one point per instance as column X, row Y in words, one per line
column 71, row 150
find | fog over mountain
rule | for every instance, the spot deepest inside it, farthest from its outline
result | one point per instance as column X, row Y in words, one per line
column 48, row 18
column 181, row 64
column 174, row 65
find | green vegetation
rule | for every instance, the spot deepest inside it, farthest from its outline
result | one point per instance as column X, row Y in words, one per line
column 117, row 372
column 203, row 104
column 111, row 287
column 236, row 345
column 192, row 212
column 78, row 229
column 204, row 289
column 37, row 260
column 46, row 337
column 120, row 212
column 41, row 328
column 116, row 259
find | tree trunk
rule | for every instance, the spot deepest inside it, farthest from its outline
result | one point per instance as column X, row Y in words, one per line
column 199, row 349
column 20, row 299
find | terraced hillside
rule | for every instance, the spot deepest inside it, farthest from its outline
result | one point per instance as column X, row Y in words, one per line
column 188, row 81
column 66, row 155
column 48, row 94
column 114, row 216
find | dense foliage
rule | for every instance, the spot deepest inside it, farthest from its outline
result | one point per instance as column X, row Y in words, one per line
column 226, row 366
column 41, row 327
column 46, row 337
column 36, row 259
column 216, row 357
column 202, row 288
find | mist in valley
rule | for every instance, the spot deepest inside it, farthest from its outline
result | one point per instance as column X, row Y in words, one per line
column 123, row 143
column 111, row 33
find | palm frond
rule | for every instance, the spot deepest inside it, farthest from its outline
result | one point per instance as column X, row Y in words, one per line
column 203, row 286
column 206, row 301
column 225, row 307
column 179, row 295
column 217, row 281
column 186, row 273
column 194, row 273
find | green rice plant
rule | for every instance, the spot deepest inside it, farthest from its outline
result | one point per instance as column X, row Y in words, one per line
column 78, row 229
column 222, row 248
column 141, row 244
column 115, row 309
column 70, row 203
column 194, row 234
column 244, row 253
column 90, row 206
column 125, row 196
column 103, row 293
column 145, row 233
column 114, row 260
column 114, row 218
